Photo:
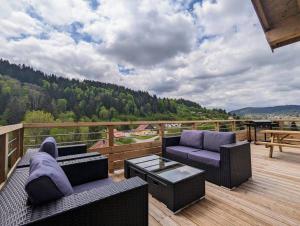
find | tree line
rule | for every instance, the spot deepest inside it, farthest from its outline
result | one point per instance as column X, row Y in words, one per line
column 24, row 90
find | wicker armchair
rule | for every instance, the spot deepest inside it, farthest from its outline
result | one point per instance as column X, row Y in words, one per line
column 65, row 153
column 116, row 203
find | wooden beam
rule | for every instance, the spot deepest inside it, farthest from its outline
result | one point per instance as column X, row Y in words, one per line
column 10, row 128
column 3, row 157
column 261, row 14
column 161, row 131
column 287, row 32
column 88, row 124
column 298, row 4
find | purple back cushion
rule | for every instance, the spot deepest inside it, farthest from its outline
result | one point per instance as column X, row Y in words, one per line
column 213, row 140
column 49, row 146
column 192, row 138
column 47, row 181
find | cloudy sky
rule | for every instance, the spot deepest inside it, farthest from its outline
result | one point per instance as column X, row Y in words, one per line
column 210, row 51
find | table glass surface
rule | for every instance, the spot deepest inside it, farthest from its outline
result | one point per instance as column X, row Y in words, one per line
column 167, row 169
column 178, row 173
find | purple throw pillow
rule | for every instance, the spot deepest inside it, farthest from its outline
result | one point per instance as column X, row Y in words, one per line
column 49, row 146
column 192, row 138
column 47, row 181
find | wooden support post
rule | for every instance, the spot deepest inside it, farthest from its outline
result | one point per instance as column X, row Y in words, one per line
column 110, row 133
column 161, row 131
column 194, row 126
column 271, row 146
column 3, row 157
column 217, row 126
column 110, row 136
column 233, row 126
column 21, row 143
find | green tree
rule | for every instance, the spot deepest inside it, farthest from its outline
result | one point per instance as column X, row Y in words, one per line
column 38, row 117
column 61, row 105
column 103, row 113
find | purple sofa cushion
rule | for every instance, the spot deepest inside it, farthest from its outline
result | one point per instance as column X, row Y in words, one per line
column 213, row 140
column 205, row 157
column 181, row 151
column 192, row 138
column 49, row 146
column 47, row 181
column 91, row 185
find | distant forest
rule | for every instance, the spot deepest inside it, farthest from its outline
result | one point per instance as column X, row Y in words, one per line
column 28, row 94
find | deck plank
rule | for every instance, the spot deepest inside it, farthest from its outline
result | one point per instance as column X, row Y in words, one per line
column 270, row 197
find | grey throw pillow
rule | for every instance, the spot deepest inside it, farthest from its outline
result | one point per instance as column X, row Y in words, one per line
column 49, row 146
column 192, row 138
column 47, row 181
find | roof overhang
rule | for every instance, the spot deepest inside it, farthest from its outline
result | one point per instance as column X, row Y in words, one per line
column 280, row 20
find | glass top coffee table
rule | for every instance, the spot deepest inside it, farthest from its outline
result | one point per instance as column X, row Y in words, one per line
column 173, row 183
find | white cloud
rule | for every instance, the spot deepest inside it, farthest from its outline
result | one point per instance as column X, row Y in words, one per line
column 215, row 53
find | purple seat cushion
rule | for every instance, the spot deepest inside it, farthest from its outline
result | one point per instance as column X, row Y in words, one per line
column 49, row 146
column 181, row 151
column 213, row 140
column 91, row 185
column 192, row 138
column 47, row 181
column 206, row 157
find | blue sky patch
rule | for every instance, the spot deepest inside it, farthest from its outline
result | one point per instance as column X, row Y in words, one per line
column 18, row 38
column 32, row 12
column 124, row 70
column 94, row 4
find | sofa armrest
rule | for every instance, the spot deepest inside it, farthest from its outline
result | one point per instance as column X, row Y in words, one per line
column 80, row 171
column 120, row 203
column 25, row 160
column 169, row 141
column 235, row 163
column 72, row 149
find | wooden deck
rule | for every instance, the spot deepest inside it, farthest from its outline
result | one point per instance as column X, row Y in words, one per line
column 271, row 197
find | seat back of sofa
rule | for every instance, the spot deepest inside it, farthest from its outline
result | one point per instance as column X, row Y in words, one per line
column 212, row 140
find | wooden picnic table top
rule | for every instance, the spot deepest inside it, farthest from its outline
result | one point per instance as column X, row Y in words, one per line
column 280, row 131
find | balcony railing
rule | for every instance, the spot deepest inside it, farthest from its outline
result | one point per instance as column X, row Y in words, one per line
column 16, row 139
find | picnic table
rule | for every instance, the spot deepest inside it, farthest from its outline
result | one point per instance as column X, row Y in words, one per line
column 280, row 138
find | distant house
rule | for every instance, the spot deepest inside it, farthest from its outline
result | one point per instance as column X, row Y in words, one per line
column 173, row 125
column 145, row 130
column 99, row 144
column 144, row 127
column 118, row 134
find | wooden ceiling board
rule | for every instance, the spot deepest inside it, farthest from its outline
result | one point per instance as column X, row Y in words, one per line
column 280, row 20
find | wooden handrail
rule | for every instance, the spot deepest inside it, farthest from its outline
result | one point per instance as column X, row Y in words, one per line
column 90, row 124
column 10, row 128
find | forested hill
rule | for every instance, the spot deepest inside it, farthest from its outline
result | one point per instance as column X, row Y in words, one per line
column 23, row 89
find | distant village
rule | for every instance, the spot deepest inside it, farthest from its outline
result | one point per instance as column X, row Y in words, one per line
column 147, row 132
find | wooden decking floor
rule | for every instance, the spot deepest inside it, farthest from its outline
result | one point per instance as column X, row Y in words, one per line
column 271, row 197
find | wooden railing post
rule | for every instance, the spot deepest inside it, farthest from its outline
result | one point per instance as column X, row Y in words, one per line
column 3, row 157
column 217, row 126
column 21, row 142
column 194, row 126
column 161, row 131
column 110, row 133
column 233, row 126
column 110, row 136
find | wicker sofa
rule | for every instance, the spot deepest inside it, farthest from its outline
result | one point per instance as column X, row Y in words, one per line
column 96, row 200
column 226, row 162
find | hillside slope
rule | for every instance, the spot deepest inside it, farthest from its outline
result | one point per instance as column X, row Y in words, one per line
column 284, row 110
column 24, row 89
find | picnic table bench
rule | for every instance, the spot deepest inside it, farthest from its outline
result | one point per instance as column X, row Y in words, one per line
column 280, row 138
